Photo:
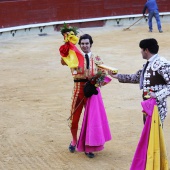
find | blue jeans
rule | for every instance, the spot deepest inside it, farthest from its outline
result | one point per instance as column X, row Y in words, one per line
column 155, row 14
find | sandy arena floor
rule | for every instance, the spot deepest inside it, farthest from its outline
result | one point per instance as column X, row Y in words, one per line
column 35, row 98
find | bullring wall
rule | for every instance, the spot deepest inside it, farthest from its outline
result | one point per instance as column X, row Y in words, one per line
column 23, row 12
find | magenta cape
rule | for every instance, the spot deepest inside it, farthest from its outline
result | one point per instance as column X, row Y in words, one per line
column 139, row 160
column 151, row 151
column 95, row 129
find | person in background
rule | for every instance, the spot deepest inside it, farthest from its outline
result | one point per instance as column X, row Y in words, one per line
column 153, row 11
column 154, row 77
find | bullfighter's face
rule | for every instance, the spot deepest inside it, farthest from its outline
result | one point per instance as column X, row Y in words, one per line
column 85, row 45
column 145, row 53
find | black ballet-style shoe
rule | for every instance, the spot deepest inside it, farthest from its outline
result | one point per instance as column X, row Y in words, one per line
column 72, row 148
column 90, row 154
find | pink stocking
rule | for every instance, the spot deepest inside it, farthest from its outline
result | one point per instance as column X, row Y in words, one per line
column 74, row 135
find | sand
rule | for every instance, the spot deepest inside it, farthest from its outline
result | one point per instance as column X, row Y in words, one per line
column 35, row 99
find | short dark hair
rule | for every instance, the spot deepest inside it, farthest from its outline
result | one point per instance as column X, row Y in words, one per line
column 86, row 36
column 151, row 44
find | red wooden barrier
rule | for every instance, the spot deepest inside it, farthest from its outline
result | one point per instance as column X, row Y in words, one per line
column 23, row 12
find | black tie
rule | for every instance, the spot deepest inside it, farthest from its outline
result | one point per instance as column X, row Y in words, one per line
column 142, row 76
column 87, row 61
column 146, row 65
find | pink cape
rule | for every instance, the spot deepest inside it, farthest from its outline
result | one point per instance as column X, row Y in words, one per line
column 95, row 129
column 139, row 160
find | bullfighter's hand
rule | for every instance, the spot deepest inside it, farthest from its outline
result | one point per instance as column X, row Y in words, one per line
column 112, row 74
column 152, row 94
column 63, row 62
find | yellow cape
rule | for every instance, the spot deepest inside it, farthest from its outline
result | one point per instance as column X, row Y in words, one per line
column 156, row 153
column 71, row 60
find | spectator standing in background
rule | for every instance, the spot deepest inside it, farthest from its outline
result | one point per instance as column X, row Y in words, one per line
column 153, row 11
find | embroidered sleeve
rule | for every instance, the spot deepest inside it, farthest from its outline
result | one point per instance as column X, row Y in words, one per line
column 130, row 78
column 164, row 71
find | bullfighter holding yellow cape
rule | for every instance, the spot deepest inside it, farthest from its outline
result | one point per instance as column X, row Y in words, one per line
column 89, row 74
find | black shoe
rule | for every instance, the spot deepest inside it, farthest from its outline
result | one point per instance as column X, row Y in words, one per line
column 160, row 31
column 90, row 154
column 72, row 148
column 150, row 30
